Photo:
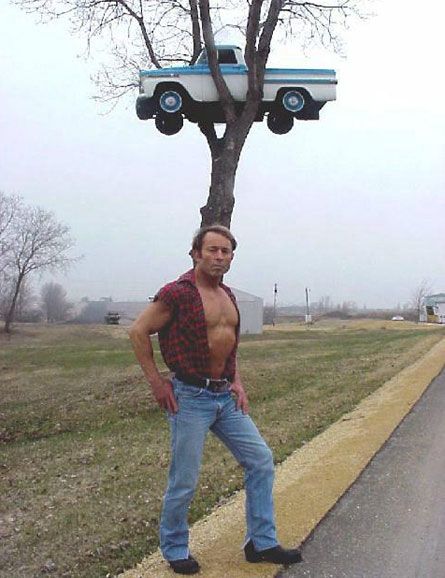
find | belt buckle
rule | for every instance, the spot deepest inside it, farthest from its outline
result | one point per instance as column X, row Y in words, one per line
column 215, row 385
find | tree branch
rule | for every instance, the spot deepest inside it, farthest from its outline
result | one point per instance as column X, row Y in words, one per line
column 252, row 30
column 267, row 32
column 208, row 130
column 196, row 30
column 140, row 20
column 225, row 97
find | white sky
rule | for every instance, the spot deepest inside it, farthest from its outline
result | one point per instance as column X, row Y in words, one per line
column 351, row 206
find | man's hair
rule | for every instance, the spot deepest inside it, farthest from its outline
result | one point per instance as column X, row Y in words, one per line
column 198, row 237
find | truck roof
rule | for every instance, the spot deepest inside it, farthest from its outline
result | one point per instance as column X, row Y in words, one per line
column 225, row 47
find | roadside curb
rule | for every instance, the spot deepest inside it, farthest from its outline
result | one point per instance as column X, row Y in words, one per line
column 309, row 482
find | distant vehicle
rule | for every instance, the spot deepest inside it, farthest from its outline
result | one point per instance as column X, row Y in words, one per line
column 112, row 318
column 397, row 318
column 170, row 94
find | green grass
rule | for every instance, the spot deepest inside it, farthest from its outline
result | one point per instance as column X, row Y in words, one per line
column 85, row 449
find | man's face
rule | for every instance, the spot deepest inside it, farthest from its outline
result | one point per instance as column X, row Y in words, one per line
column 215, row 256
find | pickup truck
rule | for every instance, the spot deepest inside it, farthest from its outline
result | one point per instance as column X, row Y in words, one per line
column 170, row 94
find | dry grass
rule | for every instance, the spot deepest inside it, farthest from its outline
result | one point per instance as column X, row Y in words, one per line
column 85, row 449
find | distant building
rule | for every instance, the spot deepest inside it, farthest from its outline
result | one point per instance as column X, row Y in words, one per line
column 250, row 306
column 251, row 312
column 433, row 309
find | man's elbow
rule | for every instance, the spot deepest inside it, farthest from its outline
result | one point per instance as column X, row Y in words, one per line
column 135, row 332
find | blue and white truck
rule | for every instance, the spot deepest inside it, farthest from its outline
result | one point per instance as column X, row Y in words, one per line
column 171, row 94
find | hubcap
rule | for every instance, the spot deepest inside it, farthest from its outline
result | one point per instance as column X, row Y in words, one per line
column 293, row 101
column 170, row 101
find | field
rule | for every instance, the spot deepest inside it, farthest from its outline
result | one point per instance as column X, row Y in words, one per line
column 84, row 451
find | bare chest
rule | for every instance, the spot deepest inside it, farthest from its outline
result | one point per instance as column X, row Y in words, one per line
column 219, row 310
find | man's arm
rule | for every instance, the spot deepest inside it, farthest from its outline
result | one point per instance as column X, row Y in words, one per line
column 238, row 389
column 150, row 321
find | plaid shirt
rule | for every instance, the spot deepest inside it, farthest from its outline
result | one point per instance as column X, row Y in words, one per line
column 183, row 341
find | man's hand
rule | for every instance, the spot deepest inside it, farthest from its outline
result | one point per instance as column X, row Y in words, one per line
column 163, row 392
column 242, row 402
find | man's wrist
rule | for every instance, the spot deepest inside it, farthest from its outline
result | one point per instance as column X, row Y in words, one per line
column 158, row 382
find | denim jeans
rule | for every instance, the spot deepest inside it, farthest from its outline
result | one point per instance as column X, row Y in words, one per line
column 199, row 411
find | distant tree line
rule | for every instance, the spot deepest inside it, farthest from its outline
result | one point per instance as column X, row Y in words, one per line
column 326, row 307
column 31, row 241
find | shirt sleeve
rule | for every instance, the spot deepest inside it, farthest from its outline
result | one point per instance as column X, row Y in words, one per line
column 167, row 295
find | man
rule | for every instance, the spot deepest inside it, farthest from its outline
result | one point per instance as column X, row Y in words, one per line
column 197, row 321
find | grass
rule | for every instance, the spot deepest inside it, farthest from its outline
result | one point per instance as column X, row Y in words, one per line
column 85, row 449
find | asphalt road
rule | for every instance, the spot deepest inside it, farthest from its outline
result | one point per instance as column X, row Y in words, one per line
column 391, row 522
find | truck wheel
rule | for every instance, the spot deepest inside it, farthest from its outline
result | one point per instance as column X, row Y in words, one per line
column 170, row 101
column 169, row 123
column 280, row 122
column 144, row 108
column 293, row 101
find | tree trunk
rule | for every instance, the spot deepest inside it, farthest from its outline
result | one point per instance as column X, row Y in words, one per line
column 220, row 201
column 225, row 153
column 10, row 314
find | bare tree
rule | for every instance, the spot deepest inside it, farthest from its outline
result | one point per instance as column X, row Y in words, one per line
column 418, row 295
column 54, row 302
column 26, row 307
column 163, row 32
column 9, row 206
column 37, row 242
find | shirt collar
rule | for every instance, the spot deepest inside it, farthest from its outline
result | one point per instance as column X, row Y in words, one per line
column 189, row 277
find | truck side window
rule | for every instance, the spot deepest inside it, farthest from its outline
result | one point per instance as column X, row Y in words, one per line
column 226, row 57
column 203, row 58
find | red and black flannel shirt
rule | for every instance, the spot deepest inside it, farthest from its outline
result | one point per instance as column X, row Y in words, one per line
column 183, row 341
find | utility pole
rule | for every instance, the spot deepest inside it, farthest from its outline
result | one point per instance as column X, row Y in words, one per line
column 275, row 291
column 308, row 317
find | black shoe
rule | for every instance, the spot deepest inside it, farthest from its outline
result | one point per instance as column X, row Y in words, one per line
column 185, row 566
column 275, row 555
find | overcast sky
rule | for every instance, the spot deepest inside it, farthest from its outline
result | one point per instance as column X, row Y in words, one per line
column 351, row 206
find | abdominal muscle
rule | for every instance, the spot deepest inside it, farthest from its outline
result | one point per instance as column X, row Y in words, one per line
column 221, row 343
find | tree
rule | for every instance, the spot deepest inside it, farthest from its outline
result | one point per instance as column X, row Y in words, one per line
column 171, row 31
column 25, row 299
column 36, row 242
column 418, row 295
column 9, row 205
column 54, row 302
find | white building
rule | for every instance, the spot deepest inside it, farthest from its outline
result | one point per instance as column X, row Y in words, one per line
column 433, row 309
column 251, row 312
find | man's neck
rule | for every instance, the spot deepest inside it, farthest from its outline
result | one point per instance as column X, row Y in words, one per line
column 206, row 281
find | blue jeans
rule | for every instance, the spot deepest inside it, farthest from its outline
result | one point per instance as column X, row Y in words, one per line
column 200, row 411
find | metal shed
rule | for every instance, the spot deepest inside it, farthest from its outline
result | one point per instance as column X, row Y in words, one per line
column 251, row 312
column 433, row 308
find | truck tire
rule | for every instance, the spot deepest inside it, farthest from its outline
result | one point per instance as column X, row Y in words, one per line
column 280, row 121
column 169, row 123
column 170, row 101
column 293, row 101
column 145, row 108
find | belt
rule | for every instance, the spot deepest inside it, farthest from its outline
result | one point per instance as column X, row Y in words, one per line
column 215, row 385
